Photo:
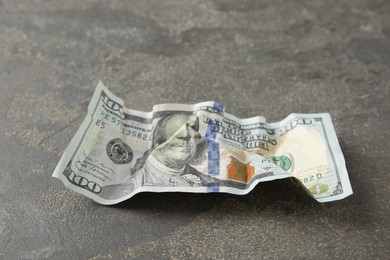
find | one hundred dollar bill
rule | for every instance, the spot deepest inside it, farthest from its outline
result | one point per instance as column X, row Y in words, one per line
column 118, row 152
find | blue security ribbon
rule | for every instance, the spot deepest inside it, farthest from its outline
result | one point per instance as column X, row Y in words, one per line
column 213, row 152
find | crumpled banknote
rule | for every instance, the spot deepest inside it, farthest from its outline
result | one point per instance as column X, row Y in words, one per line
column 118, row 152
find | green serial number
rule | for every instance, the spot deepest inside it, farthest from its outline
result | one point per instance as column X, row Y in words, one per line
column 136, row 134
column 311, row 178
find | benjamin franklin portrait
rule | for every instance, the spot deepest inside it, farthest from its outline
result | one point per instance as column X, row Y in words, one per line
column 176, row 145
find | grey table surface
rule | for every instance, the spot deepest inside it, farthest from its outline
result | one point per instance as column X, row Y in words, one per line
column 267, row 58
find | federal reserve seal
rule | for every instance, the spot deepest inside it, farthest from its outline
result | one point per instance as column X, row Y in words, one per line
column 119, row 152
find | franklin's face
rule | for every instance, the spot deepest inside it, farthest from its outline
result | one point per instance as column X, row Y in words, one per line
column 182, row 137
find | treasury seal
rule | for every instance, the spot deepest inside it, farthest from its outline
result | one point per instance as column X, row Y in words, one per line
column 119, row 152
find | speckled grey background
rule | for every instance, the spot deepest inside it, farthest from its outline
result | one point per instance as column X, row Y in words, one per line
column 267, row 58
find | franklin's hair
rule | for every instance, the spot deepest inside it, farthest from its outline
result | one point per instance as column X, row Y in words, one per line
column 160, row 137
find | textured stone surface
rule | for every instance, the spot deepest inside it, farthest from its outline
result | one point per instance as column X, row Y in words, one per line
column 267, row 58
